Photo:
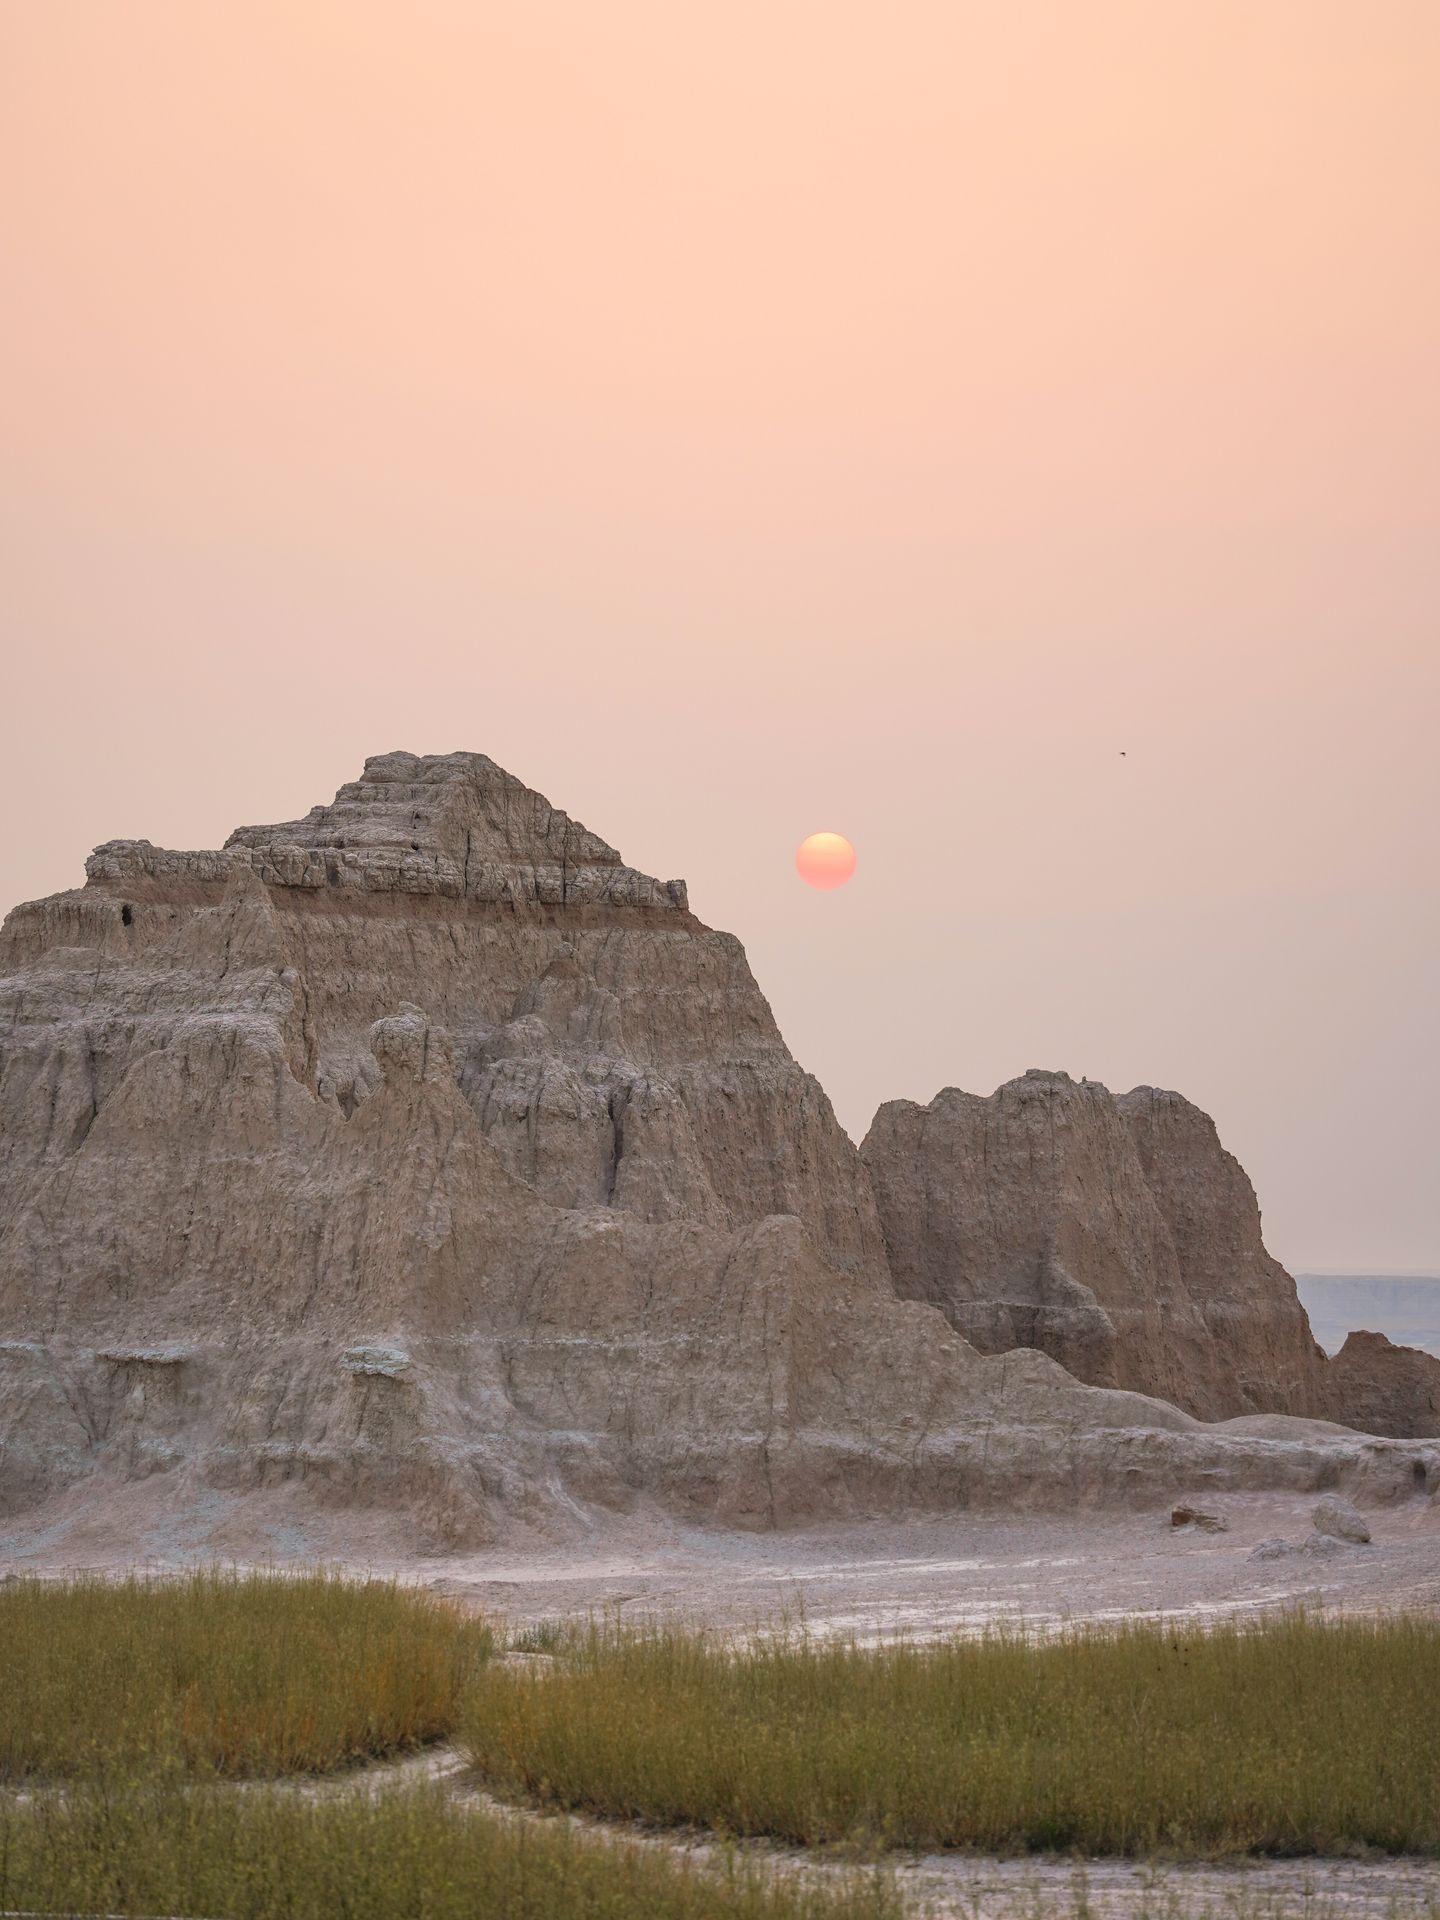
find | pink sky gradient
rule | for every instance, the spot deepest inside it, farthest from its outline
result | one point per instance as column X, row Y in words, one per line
column 746, row 420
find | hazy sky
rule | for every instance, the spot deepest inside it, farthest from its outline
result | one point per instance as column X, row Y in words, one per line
column 748, row 419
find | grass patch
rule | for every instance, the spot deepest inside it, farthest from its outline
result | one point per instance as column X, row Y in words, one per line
column 265, row 1853
column 1299, row 1735
column 544, row 1636
column 224, row 1673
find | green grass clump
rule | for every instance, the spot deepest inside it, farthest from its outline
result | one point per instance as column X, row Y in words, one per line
column 264, row 1854
column 1299, row 1735
column 224, row 1673
column 544, row 1636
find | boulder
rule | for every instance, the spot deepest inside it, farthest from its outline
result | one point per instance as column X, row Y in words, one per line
column 1338, row 1519
column 1320, row 1546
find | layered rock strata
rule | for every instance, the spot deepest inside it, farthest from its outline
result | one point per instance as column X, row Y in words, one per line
column 1118, row 1236
column 420, row 1159
column 615, row 1051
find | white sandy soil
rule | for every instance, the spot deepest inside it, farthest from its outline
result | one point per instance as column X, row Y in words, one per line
column 963, row 1572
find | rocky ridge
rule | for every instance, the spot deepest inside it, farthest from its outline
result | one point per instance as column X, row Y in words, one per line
column 1118, row 1236
column 420, row 1159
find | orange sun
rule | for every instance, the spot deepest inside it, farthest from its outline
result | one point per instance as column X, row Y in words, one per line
column 825, row 860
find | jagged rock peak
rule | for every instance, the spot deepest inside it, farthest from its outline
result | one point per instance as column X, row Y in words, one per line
column 454, row 824
column 436, row 802
column 1034, row 1085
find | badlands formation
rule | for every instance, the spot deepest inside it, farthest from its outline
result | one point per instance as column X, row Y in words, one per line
column 1119, row 1236
column 420, row 1164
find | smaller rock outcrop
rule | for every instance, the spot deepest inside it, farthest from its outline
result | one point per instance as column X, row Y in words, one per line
column 1378, row 1387
column 1117, row 1236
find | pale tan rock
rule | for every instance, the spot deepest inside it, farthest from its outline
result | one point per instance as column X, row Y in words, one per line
column 1340, row 1519
column 1258, row 1331
column 1115, row 1235
column 1119, row 1236
column 423, row 1158
column 595, row 1022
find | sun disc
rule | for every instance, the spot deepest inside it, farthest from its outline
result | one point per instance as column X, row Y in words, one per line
column 825, row 860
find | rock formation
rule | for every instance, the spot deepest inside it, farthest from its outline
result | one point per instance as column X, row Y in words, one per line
column 1406, row 1309
column 418, row 1158
column 1120, row 1237
column 615, row 1052
column 1382, row 1388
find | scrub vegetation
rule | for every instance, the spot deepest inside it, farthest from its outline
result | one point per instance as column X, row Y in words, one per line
column 271, row 1853
column 225, row 1673
column 142, row 1718
column 1296, row 1735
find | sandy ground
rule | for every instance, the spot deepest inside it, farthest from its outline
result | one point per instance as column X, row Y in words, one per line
column 950, row 1574
column 961, row 1573
column 948, row 1888
column 918, row 1577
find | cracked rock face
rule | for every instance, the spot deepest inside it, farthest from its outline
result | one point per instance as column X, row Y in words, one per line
column 1118, row 1236
column 419, row 1159
column 614, row 1050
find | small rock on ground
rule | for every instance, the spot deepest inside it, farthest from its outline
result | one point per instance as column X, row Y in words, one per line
column 1200, row 1519
column 1341, row 1521
column 1321, row 1544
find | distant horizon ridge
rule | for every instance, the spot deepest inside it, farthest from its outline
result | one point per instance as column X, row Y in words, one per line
column 1366, row 1273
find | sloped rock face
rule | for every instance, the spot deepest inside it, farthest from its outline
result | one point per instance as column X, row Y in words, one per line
column 615, row 1051
column 1032, row 1218
column 1266, row 1357
column 421, row 1159
column 1378, row 1387
column 1026, row 1219
column 1118, row 1236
